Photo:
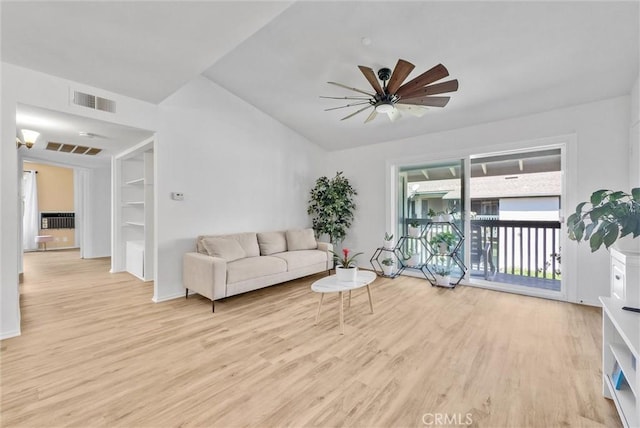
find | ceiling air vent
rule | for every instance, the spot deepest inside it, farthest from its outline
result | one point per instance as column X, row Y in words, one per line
column 94, row 102
column 70, row 148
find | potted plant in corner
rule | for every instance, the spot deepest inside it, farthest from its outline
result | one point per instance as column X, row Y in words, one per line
column 607, row 217
column 389, row 243
column 442, row 242
column 346, row 269
column 387, row 266
column 414, row 228
column 331, row 207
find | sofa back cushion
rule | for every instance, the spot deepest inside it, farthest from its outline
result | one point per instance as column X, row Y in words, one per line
column 226, row 248
column 272, row 243
column 301, row 239
column 248, row 242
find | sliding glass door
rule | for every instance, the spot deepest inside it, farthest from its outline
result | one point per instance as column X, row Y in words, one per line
column 507, row 205
column 425, row 193
column 515, row 220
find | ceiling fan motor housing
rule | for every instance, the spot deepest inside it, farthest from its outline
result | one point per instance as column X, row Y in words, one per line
column 384, row 74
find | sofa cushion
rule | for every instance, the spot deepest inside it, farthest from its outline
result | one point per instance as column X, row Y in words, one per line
column 248, row 241
column 253, row 267
column 302, row 258
column 272, row 242
column 301, row 239
column 228, row 249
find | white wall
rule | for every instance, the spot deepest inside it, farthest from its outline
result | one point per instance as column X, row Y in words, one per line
column 21, row 85
column 634, row 137
column 99, row 214
column 239, row 170
column 602, row 133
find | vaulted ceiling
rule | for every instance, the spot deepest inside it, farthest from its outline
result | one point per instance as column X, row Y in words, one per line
column 511, row 58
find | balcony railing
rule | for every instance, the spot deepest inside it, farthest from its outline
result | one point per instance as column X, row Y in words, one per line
column 504, row 249
column 518, row 252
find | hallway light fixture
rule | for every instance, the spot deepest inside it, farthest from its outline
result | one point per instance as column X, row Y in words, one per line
column 29, row 138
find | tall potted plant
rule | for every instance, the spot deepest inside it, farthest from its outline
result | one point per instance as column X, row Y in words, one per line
column 331, row 207
column 606, row 217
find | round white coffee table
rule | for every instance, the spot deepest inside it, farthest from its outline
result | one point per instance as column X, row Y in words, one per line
column 330, row 284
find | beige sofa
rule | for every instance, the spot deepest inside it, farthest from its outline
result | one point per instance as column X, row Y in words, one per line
column 226, row 265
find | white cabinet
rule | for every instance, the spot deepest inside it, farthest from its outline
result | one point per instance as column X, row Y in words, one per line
column 135, row 258
column 621, row 338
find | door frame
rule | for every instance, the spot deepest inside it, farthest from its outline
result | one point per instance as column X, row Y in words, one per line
column 568, row 146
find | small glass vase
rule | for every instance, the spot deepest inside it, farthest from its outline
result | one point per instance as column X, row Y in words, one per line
column 346, row 274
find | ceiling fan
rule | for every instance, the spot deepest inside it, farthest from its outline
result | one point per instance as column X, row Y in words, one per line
column 394, row 97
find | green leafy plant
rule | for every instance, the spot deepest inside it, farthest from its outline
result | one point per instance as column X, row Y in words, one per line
column 607, row 216
column 387, row 236
column 387, row 262
column 442, row 270
column 414, row 223
column 345, row 260
column 432, row 213
column 442, row 266
column 331, row 207
column 444, row 237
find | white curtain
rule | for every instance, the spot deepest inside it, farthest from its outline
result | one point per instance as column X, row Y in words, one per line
column 30, row 226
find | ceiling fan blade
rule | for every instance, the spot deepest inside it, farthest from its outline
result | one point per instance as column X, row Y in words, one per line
column 348, row 105
column 345, row 98
column 402, row 70
column 354, row 113
column 372, row 116
column 426, row 101
column 438, row 88
column 414, row 110
column 371, row 77
column 394, row 115
column 435, row 73
column 353, row 89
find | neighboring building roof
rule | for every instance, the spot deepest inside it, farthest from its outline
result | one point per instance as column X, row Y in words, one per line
column 510, row 186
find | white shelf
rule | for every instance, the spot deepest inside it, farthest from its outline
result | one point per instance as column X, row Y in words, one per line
column 624, row 357
column 620, row 341
column 133, row 247
column 625, row 402
column 627, row 323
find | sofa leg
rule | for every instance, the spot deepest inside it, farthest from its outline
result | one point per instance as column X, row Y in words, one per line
column 186, row 293
column 213, row 306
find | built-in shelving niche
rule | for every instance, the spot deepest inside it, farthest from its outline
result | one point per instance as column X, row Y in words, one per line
column 134, row 212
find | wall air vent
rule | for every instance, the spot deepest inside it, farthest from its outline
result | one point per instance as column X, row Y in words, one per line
column 70, row 148
column 94, row 102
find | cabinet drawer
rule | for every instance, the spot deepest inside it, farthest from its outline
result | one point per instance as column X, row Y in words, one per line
column 618, row 279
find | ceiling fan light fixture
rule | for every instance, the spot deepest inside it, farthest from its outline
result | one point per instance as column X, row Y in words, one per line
column 384, row 108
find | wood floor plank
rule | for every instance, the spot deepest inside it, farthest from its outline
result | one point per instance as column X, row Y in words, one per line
column 95, row 351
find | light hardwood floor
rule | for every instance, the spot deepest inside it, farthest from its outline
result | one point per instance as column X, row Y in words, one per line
column 95, row 351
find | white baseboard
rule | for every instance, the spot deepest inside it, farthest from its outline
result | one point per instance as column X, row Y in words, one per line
column 157, row 299
column 9, row 334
